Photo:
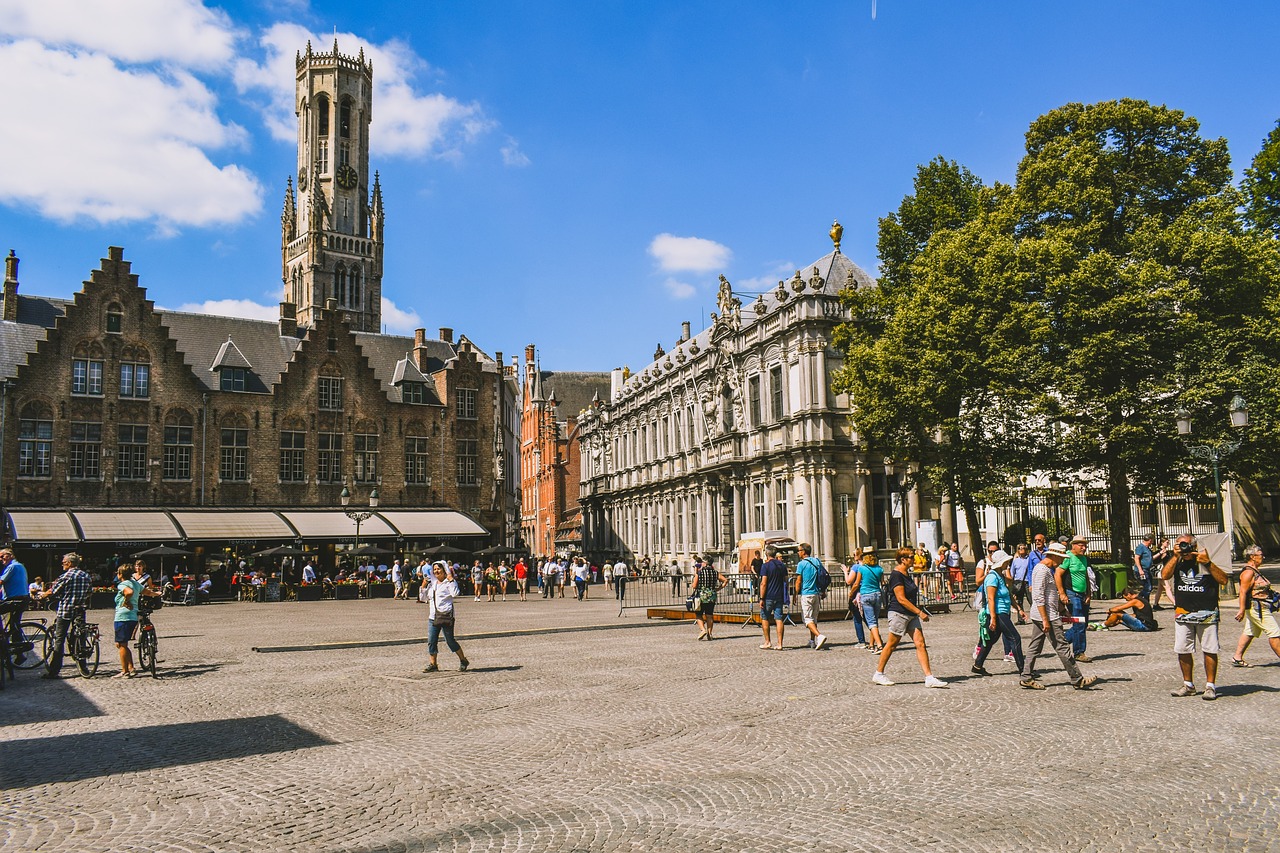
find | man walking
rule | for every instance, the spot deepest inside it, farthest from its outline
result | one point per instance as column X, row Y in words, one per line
column 773, row 592
column 1196, row 581
column 808, row 588
column 1078, row 595
column 1047, row 623
column 1256, row 609
column 620, row 580
column 72, row 593
column 1020, row 572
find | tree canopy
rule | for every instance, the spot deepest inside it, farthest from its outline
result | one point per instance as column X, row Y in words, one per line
column 1058, row 324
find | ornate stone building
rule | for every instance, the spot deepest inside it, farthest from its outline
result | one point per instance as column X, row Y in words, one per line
column 550, row 459
column 737, row 429
column 108, row 402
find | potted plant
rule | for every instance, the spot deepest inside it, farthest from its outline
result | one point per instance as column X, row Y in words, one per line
column 309, row 592
column 382, row 589
column 346, row 590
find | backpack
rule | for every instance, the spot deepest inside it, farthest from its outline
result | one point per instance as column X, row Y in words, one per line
column 823, row 577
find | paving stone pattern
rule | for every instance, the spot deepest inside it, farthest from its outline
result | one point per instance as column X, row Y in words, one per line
column 626, row 738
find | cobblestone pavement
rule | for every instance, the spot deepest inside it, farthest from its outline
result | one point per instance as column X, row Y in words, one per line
column 623, row 739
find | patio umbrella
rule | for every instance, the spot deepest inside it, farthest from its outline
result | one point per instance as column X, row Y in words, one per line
column 162, row 551
column 498, row 551
column 443, row 551
column 280, row 551
column 372, row 551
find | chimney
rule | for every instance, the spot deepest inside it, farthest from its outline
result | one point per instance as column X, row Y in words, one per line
column 514, row 370
column 10, row 308
column 684, row 331
column 420, row 349
column 659, row 352
column 528, row 354
column 446, row 334
column 288, row 320
column 615, row 383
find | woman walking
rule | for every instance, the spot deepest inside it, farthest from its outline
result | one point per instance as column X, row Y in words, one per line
column 996, row 616
column 706, row 585
column 440, row 595
column 905, row 617
column 870, row 577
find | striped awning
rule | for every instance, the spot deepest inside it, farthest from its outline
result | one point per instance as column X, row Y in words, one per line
column 233, row 524
column 39, row 525
column 329, row 524
column 126, row 526
column 414, row 524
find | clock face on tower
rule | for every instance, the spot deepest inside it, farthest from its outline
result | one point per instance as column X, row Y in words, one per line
column 347, row 177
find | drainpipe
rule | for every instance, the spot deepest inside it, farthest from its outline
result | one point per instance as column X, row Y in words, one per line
column 204, row 433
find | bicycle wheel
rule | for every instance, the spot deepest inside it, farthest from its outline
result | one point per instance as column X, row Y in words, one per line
column 37, row 636
column 88, row 652
column 147, row 651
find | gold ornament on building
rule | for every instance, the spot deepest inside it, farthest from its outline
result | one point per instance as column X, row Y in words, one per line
column 837, row 231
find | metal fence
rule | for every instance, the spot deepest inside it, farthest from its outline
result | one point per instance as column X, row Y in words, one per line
column 740, row 596
column 1090, row 514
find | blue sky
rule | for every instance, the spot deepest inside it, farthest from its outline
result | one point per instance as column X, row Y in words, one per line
column 573, row 175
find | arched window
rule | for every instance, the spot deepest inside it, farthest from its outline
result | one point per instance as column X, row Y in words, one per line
column 115, row 318
column 322, row 115
column 340, row 284
column 344, row 119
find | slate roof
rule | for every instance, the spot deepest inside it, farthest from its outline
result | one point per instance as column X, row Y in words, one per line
column 573, row 390
column 36, row 315
column 201, row 337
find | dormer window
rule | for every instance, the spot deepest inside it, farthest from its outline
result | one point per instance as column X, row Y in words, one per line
column 232, row 378
column 413, row 392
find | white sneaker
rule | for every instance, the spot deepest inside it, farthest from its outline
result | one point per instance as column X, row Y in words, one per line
column 882, row 679
column 931, row 681
column 1009, row 658
column 859, row 645
column 819, row 641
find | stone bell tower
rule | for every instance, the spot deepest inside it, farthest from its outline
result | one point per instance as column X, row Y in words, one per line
column 331, row 231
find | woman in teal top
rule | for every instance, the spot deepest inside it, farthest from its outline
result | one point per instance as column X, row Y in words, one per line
column 128, row 593
column 997, row 614
column 869, row 594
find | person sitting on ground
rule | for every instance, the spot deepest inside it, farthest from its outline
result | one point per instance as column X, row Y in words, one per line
column 1139, row 616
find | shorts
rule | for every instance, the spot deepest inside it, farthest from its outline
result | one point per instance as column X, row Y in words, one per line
column 902, row 624
column 1187, row 637
column 771, row 608
column 125, row 631
column 708, row 608
column 809, row 609
column 1260, row 626
column 956, row 575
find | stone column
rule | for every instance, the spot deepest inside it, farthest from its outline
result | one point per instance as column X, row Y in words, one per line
column 826, row 516
column 862, row 492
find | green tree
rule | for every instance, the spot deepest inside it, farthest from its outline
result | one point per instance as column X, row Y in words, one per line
column 1261, row 186
column 927, row 370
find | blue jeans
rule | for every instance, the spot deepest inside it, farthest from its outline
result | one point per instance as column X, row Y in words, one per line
column 856, row 612
column 1133, row 623
column 1075, row 635
column 433, row 638
column 871, row 609
column 1006, row 630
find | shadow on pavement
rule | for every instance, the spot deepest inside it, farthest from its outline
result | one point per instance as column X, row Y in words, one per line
column 1245, row 689
column 70, row 758
column 28, row 699
column 189, row 671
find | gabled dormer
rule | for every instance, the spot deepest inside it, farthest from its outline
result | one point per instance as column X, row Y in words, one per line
column 413, row 384
column 235, row 373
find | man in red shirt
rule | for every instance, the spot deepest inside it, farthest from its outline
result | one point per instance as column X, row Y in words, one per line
column 522, row 578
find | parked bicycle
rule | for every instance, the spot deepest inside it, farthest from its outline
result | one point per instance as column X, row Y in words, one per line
column 148, row 645
column 28, row 654
column 83, row 644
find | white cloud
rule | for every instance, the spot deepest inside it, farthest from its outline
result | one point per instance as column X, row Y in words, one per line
column 513, row 156
column 406, row 122
column 397, row 320
column 688, row 254
column 110, row 144
column 245, row 308
column 181, row 32
column 776, row 272
column 679, row 289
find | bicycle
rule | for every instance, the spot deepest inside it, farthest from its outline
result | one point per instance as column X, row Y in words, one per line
column 83, row 644
column 148, row 645
column 35, row 635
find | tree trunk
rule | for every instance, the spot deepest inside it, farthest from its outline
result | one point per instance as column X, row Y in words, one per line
column 1121, row 523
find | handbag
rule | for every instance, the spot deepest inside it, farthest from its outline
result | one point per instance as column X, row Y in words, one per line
column 442, row 619
column 693, row 603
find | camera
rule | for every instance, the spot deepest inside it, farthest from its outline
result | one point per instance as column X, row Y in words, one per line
column 1186, row 547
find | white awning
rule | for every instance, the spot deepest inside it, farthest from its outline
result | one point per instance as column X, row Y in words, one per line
column 330, row 524
column 126, row 526
column 30, row 525
column 233, row 524
column 415, row 524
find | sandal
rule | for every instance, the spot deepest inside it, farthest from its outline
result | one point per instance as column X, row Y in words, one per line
column 766, row 646
column 1240, row 662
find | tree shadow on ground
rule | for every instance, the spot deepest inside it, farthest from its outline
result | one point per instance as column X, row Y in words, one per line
column 27, row 699
column 75, row 757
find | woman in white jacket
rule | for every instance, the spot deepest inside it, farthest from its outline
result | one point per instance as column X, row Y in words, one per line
column 440, row 594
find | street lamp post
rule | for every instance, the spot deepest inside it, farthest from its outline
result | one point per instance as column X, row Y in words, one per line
column 359, row 516
column 1215, row 453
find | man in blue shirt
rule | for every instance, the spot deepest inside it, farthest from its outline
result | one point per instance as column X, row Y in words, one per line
column 1143, row 562
column 14, row 596
column 1020, row 571
column 773, row 591
column 807, row 588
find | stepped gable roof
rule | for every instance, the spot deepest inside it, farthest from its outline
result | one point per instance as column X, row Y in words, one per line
column 574, row 390
column 36, row 315
column 384, row 352
column 201, row 339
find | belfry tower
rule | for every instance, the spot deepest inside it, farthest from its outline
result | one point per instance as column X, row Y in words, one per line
column 331, row 232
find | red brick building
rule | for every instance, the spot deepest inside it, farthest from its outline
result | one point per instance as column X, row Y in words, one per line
column 550, row 461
